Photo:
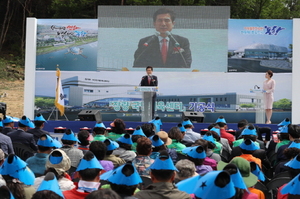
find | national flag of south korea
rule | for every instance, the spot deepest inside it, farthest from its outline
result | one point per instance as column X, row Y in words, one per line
column 59, row 97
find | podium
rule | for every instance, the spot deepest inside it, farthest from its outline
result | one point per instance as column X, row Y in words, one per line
column 259, row 108
column 148, row 103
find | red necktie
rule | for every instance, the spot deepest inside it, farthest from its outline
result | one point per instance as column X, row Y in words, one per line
column 149, row 80
column 164, row 50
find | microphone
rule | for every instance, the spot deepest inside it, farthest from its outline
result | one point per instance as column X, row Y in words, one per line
column 177, row 46
column 176, row 42
column 151, row 39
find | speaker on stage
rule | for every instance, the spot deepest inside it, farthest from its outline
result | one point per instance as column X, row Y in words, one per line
column 90, row 115
column 195, row 117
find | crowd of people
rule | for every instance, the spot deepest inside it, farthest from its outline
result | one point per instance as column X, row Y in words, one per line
column 149, row 163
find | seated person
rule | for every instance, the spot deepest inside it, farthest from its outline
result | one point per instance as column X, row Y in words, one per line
column 197, row 154
column 39, row 122
column 137, row 133
column 251, row 133
column 185, row 169
column 283, row 136
column 58, row 163
column 294, row 134
column 124, row 180
column 162, row 173
column 69, row 140
column 292, row 151
column 88, row 172
column 148, row 129
column 245, row 169
column 99, row 150
column 215, row 184
column 117, row 130
column 248, row 147
column 37, row 162
column 142, row 161
column 158, row 146
column 157, row 124
column 99, row 132
column 211, row 145
column 18, row 177
column 84, row 138
column 21, row 136
column 190, row 135
column 207, row 160
column 167, row 142
column 215, row 129
column 110, row 147
column 49, row 188
column 176, row 135
column 124, row 151
column 223, row 134
column 8, row 124
column 292, row 188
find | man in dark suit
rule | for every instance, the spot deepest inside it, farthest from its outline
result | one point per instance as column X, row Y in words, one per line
column 39, row 122
column 21, row 136
column 163, row 50
column 150, row 80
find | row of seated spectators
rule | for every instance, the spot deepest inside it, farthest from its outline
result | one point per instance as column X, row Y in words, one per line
column 193, row 155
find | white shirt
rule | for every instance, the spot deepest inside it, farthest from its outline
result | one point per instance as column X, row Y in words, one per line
column 191, row 136
column 160, row 38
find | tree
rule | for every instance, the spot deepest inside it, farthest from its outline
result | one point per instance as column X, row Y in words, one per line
column 283, row 104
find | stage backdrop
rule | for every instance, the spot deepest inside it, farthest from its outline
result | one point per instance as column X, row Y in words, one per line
column 258, row 45
column 103, row 85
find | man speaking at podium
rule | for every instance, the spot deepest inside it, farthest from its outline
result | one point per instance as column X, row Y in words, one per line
column 150, row 80
column 163, row 49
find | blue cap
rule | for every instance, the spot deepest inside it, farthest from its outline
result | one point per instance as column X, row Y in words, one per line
column 188, row 185
column 209, row 137
column 139, row 131
column 236, row 177
column 284, row 122
column 118, row 177
column 216, row 130
column 54, row 159
column 249, row 145
column 163, row 162
column 7, row 119
column 26, row 121
column 294, row 163
column 221, row 120
column 258, row 172
column 89, row 164
column 47, row 141
column 156, row 141
column 157, row 123
column 50, row 183
column 248, row 131
column 208, row 185
column 192, row 152
column 187, row 122
column 100, row 125
column 294, row 145
column 292, row 187
column 39, row 117
column 182, row 129
column 112, row 145
column 70, row 136
column 15, row 167
column 284, row 129
column 126, row 139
